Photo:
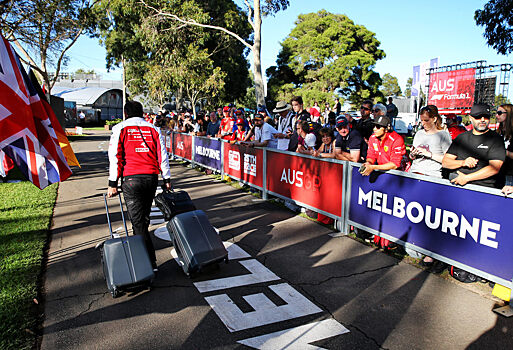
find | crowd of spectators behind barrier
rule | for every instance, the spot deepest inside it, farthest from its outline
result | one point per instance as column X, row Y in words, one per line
column 335, row 134
column 479, row 156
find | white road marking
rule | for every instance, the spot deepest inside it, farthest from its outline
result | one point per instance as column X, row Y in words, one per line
column 236, row 320
column 234, row 252
column 162, row 233
column 156, row 213
column 157, row 221
column 259, row 274
column 297, row 338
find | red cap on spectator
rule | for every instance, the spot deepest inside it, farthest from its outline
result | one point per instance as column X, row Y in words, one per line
column 226, row 109
column 240, row 121
column 451, row 116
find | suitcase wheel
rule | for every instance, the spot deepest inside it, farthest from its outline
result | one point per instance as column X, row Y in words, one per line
column 114, row 292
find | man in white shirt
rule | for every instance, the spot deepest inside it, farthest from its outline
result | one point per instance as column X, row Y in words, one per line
column 285, row 124
column 264, row 134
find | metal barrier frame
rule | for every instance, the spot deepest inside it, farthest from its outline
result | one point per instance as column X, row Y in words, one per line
column 436, row 256
column 345, row 222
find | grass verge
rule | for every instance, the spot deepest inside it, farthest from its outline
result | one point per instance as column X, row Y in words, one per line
column 25, row 217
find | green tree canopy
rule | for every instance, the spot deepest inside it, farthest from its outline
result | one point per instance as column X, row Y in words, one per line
column 326, row 55
column 497, row 19
column 158, row 53
column 390, row 86
column 407, row 91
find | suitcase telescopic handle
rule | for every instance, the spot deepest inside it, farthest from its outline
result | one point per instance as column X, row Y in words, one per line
column 108, row 215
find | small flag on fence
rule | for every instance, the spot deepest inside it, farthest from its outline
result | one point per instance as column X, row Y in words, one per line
column 26, row 132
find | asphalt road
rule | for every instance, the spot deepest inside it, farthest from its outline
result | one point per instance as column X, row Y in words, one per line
column 290, row 284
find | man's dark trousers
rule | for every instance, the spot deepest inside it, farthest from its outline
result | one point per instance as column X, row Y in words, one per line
column 139, row 191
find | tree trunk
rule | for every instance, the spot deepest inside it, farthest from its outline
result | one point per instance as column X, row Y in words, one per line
column 257, row 51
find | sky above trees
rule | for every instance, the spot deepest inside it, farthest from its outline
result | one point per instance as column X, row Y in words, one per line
column 409, row 32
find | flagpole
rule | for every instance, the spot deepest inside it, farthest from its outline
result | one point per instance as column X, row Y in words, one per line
column 124, row 84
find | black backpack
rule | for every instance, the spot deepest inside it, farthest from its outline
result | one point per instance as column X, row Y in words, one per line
column 462, row 275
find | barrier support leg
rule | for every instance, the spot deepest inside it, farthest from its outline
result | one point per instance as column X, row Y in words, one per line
column 506, row 311
column 264, row 176
column 341, row 225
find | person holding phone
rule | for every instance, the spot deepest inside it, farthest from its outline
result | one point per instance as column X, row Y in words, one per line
column 429, row 144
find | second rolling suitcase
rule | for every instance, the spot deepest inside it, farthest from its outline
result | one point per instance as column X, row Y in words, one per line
column 196, row 242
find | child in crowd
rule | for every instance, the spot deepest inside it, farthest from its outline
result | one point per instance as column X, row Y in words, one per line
column 327, row 148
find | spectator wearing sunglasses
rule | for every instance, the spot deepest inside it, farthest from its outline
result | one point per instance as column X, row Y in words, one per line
column 364, row 125
column 476, row 156
column 505, row 119
column 386, row 148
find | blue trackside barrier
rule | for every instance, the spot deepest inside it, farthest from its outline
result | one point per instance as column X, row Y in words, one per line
column 469, row 227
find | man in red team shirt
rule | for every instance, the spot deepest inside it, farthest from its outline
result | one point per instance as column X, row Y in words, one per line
column 227, row 124
column 452, row 125
column 386, row 147
column 137, row 153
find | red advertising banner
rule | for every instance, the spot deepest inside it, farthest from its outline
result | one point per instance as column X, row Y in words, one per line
column 245, row 163
column 312, row 182
column 453, row 89
column 182, row 145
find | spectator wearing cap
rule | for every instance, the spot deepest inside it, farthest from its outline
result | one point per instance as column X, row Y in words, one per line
column 213, row 126
column 285, row 124
column 299, row 114
column 386, row 151
column 453, row 127
column 348, row 142
column 476, row 156
column 227, row 124
column 240, row 134
column 386, row 148
column 263, row 132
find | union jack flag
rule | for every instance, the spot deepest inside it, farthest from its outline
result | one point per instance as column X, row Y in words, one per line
column 26, row 133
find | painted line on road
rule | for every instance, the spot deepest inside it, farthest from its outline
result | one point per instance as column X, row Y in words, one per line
column 297, row 338
column 266, row 311
column 259, row 274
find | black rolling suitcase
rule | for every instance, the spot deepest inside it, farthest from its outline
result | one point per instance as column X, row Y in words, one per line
column 125, row 259
column 196, row 242
column 171, row 203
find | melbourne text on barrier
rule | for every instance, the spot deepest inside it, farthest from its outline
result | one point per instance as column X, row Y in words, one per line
column 481, row 231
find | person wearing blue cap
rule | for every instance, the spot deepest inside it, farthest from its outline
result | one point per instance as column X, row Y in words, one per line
column 349, row 142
